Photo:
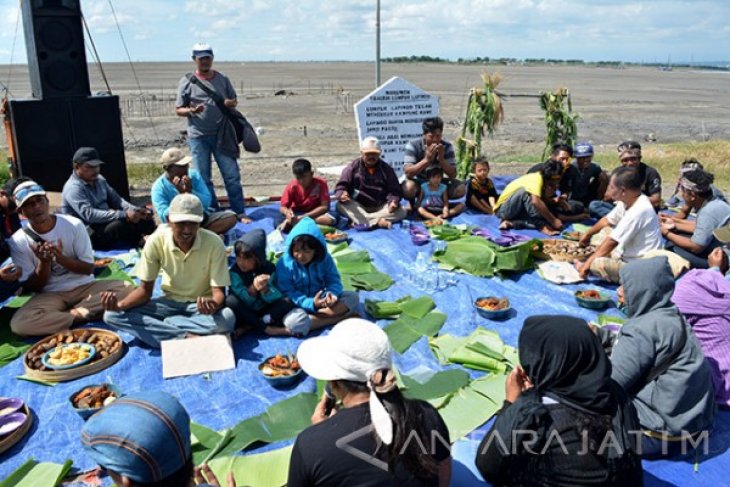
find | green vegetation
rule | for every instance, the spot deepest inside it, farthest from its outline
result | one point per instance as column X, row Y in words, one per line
column 143, row 174
column 484, row 112
column 560, row 120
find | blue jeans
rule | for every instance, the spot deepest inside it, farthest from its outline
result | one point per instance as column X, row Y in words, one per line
column 201, row 149
column 164, row 319
column 599, row 209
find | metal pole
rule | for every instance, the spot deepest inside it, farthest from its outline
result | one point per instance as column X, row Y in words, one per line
column 377, row 44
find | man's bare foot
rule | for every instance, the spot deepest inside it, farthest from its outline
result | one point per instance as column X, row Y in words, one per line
column 190, row 335
column 241, row 331
column 548, row 230
column 383, row 223
column 505, row 225
column 245, row 220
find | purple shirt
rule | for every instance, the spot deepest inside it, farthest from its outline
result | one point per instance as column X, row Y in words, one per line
column 371, row 188
column 703, row 298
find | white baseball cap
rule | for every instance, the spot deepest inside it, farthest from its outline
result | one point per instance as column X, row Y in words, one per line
column 202, row 49
column 354, row 350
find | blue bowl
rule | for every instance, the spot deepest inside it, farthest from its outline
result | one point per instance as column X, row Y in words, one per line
column 598, row 303
column 92, row 354
column 280, row 380
column 86, row 413
column 495, row 314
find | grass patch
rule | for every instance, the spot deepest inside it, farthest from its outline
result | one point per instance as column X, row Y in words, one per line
column 666, row 158
column 143, row 173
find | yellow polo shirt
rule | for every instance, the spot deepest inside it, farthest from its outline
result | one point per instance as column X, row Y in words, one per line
column 185, row 276
column 532, row 183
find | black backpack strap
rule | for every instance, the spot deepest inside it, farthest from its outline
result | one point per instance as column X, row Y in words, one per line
column 217, row 98
column 32, row 235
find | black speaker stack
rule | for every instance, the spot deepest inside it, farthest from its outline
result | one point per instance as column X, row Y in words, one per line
column 62, row 116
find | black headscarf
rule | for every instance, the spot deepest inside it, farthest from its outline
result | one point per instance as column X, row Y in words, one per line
column 564, row 360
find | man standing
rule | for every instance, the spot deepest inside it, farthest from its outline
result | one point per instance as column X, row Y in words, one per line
column 179, row 178
column 56, row 262
column 635, row 228
column 210, row 132
column 424, row 152
column 112, row 221
column 368, row 191
column 194, row 277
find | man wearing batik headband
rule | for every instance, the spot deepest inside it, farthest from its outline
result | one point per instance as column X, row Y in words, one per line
column 693, row 239
column 370, row 440
column 689, row 165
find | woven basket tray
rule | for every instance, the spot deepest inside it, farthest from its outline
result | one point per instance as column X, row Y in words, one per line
column 98, row 364
column 549, row 244
column 10, row 440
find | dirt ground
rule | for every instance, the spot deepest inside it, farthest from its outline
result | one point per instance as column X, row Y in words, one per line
column 313, row 117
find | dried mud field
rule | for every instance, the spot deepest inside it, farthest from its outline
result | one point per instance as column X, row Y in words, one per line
column 305, row 109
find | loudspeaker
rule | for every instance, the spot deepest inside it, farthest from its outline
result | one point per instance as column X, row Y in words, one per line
column 46, row 133
column 54, row 40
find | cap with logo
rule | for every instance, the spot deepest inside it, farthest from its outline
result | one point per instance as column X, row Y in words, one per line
column 87, row 155
column 202, row 50
column 186, row 207
column 583, row 149
column 174, row 157
column 26, row 190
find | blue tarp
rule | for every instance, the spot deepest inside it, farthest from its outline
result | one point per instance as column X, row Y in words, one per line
column 222, row 399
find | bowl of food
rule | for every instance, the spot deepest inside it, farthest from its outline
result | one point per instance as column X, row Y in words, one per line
column 492, row 307
column 69, row 355
column 335, row 237
column 9, row 405
column 592, row 298
column 281, row 370
column 92, row 398
column 11, row 422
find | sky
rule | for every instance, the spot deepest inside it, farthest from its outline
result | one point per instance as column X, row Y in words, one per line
column 320, row 30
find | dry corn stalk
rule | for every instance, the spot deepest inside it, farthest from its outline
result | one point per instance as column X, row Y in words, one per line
column 484, row 112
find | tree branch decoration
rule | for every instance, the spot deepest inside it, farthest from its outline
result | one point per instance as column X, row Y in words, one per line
column 560, row 121
column 484, row 112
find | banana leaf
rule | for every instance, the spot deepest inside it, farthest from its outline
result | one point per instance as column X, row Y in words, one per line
column 482, row 350
column 417, row 308
column 471, row 254
column 604, row 320
column 471, row 407
column 438, row 385
column 384, row 309
column 325, row 229
column 355, row 267
column 281, row 421
column 446, row 232
column 114, row 272
column 34, row 474
column 406, row 331
column 373, row 281
column 269, row 469
column 11, row 345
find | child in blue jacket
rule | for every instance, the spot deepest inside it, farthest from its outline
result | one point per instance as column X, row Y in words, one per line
column 253, row 297
column 307, row 275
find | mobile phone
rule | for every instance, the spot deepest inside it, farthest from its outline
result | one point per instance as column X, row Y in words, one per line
column 329, row 404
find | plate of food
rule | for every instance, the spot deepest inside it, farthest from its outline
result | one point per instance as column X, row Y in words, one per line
column 281, row 370
column 335, row 237
column 565, row 250
column 492, row 307
column 592, row 298
column 92, row 398
column 69, row 355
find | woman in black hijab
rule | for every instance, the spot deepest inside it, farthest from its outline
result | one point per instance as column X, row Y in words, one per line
column 564, row 422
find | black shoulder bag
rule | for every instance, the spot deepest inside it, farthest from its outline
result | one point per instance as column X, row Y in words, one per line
column 245, row 133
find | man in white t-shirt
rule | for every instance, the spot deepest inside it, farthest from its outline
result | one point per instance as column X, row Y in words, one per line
column 56, row 262
column 635, row 229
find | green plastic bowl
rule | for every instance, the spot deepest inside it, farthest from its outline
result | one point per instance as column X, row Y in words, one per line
column 598, row 303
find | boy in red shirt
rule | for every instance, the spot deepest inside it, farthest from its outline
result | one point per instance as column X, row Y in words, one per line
column 306, row 195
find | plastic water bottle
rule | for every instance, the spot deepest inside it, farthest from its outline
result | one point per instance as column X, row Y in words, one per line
column 405, row 225
column 421, row 262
